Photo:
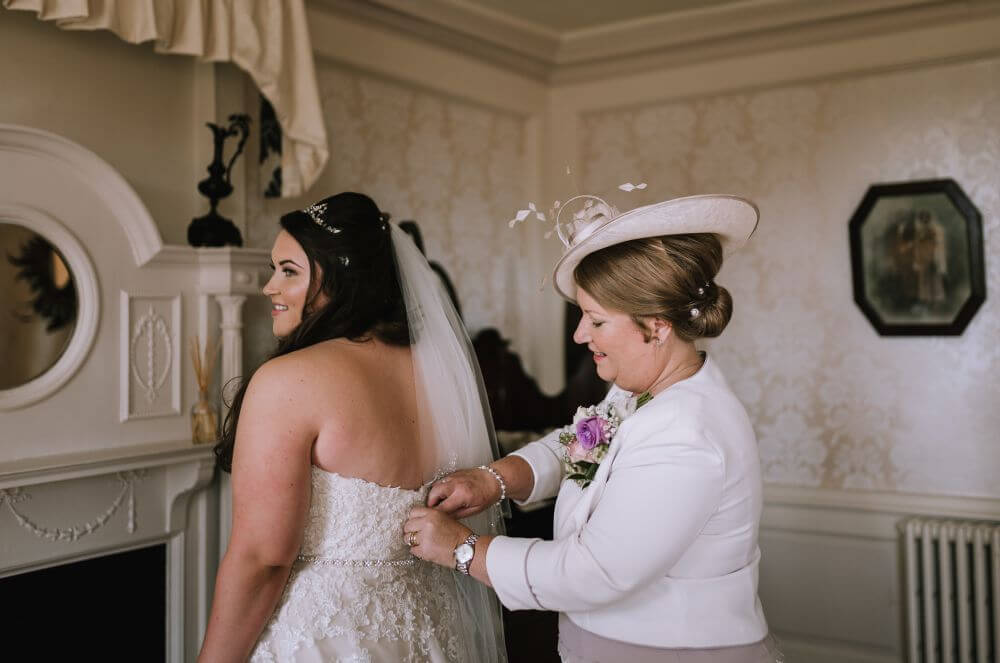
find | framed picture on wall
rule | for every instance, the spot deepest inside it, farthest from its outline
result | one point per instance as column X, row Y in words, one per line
column 917, row 258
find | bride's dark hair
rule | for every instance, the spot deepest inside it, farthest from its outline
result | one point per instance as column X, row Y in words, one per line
column 349, row 245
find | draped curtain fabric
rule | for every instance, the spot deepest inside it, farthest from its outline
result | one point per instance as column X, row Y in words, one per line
column 269, row 39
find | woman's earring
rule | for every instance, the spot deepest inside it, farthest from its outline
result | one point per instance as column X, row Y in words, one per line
column 658, row 341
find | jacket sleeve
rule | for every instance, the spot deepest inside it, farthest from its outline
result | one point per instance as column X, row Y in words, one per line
column 660, row 492
column 544, row 456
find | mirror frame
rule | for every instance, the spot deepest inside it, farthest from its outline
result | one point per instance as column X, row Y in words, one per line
column 88, row 306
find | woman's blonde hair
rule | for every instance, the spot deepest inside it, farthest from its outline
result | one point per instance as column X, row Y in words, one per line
column 670, row 277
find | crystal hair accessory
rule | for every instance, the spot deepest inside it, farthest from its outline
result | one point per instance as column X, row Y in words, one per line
column 316, row 212
column 592, row 212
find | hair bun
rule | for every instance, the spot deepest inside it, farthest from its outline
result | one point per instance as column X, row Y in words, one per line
column 714, row 312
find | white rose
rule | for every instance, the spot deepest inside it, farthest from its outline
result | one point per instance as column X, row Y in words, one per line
column 624, row 407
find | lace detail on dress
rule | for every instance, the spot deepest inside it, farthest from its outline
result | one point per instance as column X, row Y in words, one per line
column 350, row 611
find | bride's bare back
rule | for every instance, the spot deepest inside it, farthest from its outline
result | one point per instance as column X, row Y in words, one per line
column 366, row 413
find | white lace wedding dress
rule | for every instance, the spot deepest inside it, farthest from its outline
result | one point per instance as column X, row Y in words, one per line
column 356, row 594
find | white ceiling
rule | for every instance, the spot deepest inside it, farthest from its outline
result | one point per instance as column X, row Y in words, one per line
column 570, row 15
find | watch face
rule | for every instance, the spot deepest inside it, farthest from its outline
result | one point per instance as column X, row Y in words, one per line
column 463, row 553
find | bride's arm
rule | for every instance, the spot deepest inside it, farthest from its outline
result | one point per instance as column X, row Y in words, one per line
column 271, row 492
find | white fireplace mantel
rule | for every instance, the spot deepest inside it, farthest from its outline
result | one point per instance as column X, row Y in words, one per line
column 71, row 507
column 65, row 467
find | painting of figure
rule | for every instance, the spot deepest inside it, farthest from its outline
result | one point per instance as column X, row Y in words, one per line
column 915, row 256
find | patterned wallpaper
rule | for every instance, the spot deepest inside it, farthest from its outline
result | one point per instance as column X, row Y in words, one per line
column 454, row 167
column 834, row 404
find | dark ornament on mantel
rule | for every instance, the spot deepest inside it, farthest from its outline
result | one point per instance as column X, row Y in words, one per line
column 213, row 229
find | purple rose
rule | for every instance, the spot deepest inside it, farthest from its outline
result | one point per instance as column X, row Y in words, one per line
column 590, row 432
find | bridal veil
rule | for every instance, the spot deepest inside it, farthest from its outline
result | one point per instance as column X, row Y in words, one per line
column 454, row 421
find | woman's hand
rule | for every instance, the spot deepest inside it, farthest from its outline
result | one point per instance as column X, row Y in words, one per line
column 433, row 536
column 464, row 493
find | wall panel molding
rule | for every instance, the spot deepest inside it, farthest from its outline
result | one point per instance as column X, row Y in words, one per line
column 150, row 356
column 883, row 503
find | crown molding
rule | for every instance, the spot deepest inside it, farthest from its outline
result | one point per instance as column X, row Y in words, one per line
column 511, row 46
column 720, row 22
column 752, row 29
column 669, row 39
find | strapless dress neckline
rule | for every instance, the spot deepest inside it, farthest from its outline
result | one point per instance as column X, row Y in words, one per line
column 369, row 483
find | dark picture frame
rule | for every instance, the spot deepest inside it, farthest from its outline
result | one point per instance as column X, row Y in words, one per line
column 917, row 258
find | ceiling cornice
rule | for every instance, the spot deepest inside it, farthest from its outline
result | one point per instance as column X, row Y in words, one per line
column 470, row 33
column 669, row 39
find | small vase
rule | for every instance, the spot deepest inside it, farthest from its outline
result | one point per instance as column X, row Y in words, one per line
column 204, row 424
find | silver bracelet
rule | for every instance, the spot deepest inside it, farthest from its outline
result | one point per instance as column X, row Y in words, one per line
column 503, row 484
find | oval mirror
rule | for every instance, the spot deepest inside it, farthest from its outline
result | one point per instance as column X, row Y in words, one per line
column 38, row 304
column 49, row 305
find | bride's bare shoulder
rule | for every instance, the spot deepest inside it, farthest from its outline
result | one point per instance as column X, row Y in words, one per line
column 319, row 370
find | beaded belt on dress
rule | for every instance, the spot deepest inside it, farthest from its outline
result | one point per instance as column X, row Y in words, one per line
column 331, row 561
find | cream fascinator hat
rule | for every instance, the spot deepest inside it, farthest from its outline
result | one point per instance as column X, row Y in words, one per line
column 599, row 225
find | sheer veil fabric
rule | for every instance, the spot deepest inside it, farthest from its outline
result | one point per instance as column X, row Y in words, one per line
column 456, row 429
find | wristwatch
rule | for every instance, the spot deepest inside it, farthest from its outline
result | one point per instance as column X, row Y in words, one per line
column 464, row 553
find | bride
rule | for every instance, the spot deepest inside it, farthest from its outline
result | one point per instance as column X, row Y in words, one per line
column 372, row 392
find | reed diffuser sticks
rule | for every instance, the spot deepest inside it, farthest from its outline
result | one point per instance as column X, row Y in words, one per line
column 204, row 422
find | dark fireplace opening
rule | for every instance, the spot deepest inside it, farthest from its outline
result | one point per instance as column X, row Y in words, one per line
column 111, row 608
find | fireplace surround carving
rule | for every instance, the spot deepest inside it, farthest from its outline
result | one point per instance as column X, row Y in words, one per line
column 96, row 454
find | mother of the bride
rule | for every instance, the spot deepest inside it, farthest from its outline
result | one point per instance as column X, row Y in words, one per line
column 655, row 554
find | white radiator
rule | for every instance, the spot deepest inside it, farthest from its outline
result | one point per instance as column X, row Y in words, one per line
column 952, row 590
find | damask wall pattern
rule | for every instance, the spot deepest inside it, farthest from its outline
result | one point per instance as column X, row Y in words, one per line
column 835, row 405
column 454, row 167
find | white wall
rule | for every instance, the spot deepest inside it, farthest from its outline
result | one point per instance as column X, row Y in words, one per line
column 834, row 404
column 440, row 138
column 142, row 112
column 457, row 152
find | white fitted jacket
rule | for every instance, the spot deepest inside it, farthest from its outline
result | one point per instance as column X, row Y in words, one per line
column 661, row 548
